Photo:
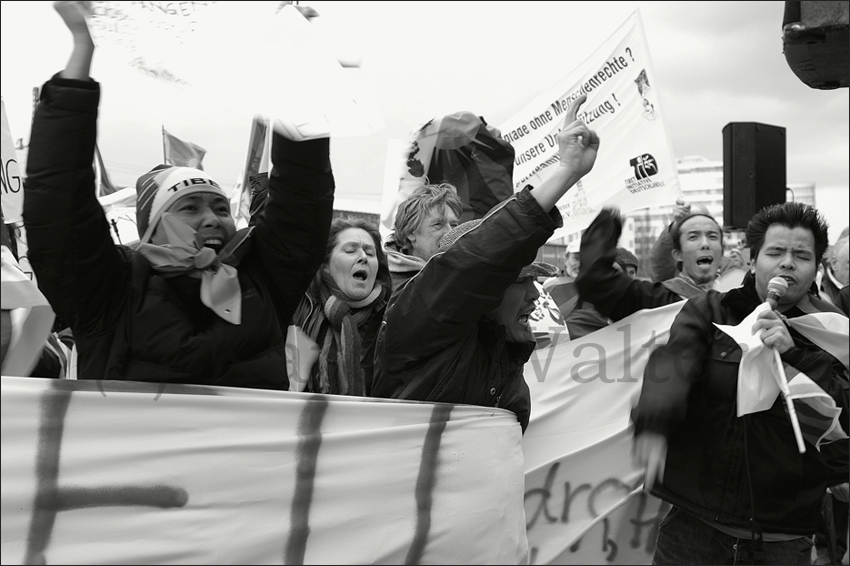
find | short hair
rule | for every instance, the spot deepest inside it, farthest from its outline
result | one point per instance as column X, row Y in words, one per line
column 345, row 222
column 676, row 230
column 790, row 215
column 412, row 212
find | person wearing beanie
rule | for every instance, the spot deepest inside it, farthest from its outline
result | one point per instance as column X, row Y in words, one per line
column 627, row 262
column 196, row 301
column 458, row 331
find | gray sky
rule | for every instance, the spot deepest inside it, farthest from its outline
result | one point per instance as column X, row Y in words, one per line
column 714, row 63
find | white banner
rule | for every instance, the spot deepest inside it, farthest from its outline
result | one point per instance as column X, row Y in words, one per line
column 12, row 182
column 578, row 443
column 635, row 167
column 127, row 473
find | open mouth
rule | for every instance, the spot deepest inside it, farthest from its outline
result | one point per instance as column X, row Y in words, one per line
column 214, row 243
column 361, row 275
column 705, row 261
column 524, row 316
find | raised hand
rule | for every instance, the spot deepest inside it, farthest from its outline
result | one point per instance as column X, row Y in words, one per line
column 577, row 144
column 74, row 15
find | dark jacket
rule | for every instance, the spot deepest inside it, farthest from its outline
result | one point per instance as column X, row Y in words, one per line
column 132, row 323
column 439, row 346
column 721, row 467
column 614, row 294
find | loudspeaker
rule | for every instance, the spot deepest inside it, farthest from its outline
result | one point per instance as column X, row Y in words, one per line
column 753, row 170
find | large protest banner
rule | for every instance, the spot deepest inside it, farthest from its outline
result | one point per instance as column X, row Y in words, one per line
column 244, row 56
column 578, row 443
column 635, row 167
column 121, row 472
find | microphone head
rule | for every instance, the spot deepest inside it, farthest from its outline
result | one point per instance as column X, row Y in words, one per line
column 776, row 287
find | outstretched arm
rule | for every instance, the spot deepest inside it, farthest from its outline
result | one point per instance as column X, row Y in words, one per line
column 74, row 15
column 78, row 267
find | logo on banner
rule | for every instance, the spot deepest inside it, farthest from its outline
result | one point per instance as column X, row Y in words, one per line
column 644, row 166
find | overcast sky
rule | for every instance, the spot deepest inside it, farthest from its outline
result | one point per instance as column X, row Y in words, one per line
column 714, row 62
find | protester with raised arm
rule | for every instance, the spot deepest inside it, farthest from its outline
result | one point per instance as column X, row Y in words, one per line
column 742, row 493
column 698, row 243
column 458, row 332
column 197, row 302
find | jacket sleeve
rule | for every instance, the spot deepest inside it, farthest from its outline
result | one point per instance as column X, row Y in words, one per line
column 673, row 369
column 661, row 263
column 291, row 235
column 441, row 305
column 613, row 293
column 78, row 268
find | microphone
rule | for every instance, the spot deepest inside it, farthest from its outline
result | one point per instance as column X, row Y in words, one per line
column 776, row 287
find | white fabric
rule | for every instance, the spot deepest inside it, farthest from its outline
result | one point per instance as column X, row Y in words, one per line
column 209, row 475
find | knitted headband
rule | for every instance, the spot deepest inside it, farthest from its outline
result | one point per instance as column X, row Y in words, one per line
column 157, row 190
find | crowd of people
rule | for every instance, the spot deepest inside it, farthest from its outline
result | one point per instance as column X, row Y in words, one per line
column 440, row 310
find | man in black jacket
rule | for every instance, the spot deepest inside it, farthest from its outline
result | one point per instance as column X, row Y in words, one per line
column 742, row 492
column 458, row 332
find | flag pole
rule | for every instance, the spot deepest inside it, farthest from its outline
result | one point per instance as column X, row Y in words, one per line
column 164, row 155
column 782, row 380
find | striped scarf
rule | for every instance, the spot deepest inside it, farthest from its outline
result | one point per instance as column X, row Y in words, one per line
column 339, row 369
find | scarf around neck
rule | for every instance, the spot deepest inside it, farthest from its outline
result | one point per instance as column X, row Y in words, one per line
column 339, row 370
column 185, row 253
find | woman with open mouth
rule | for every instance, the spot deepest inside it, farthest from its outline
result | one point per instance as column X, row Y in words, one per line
column 342, row 311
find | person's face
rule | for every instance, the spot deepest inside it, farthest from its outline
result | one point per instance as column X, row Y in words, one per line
column 788, row 253
column 630, row 270
column 839, row 263
column 572, row 265
column 516, row 306
column 440, row 220
column 207, row 214
column 353, row 263
column 702, row 249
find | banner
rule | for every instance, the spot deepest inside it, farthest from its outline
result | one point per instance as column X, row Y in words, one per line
column 635, row 167
column 215, row 49
column 122, row 472
column 12, row 182
column 578, row 443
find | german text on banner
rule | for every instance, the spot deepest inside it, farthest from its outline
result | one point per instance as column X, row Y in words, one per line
column 578, row 444
column 13, row 183
column 635, row 167
column 122, row 472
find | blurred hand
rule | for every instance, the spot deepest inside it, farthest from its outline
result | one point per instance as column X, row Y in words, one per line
column 649, row 451
column 577, row 144
column 774, row 332
column 681, row 209
column 74, row 15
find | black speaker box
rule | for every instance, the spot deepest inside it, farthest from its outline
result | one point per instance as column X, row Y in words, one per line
column 754, row 174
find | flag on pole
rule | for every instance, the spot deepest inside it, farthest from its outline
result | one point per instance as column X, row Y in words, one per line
column 181, row 153
column 103, row 186
column 758, row 379
column 256, row 162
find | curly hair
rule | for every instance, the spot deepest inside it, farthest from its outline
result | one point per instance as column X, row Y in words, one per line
column 415, row 208
column 790, row 215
